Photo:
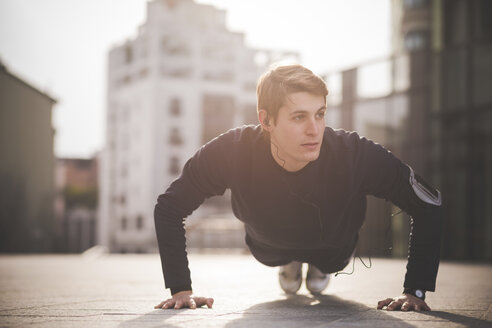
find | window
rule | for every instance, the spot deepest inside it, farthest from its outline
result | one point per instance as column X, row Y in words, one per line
column 483, row 23
column 128, row 54
column 219, row 76
column 112, row 145
column 482, row 74
column 250, row 114
column 125, row 142
column 416, row 40
column 174, row 47
column 455, row 22
column 141, row 47
column 454, row 86
column 124, row 223
column 413, row 4
column 124, row 171
column 176, row 72
column 125, row 113
column 218, row 115
column 139, row 222
column 126, row 80
column 175, row 138
column 249, row 86
column 174, row 167
column 143, row 73
column 175, row 107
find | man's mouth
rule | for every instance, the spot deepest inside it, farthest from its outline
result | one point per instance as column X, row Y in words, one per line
column 310, row 145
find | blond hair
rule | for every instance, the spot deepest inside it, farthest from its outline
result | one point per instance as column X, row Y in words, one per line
column 274, row 86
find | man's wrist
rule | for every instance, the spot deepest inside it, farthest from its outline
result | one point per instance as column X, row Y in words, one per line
column 175, row 290
column 417, row 292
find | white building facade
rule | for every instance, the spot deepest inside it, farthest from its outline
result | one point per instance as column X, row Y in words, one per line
column 183, row 80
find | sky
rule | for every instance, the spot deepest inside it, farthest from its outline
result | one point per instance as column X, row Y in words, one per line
column 61, row 47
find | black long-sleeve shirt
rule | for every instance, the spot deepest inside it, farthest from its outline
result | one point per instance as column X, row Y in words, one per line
column 321, row 206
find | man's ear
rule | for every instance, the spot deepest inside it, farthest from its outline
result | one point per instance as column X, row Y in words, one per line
column 264, row 119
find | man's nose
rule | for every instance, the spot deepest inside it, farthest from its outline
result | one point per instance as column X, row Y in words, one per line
column 312, row 127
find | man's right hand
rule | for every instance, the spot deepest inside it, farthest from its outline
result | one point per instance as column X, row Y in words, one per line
column 185, row 299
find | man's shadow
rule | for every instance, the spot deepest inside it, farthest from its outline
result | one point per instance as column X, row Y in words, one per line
column 323, row 309
column 297, row 310
column 312, row 310
column 159, row 318
column 460, row 319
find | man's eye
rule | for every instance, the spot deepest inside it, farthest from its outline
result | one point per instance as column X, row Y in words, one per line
column 321, row 115
column 297, row 118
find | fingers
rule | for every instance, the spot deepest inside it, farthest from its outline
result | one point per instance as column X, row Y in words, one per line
column 422, row 307
column 395, row 305
column 200, row 301
column 403, row 304
column 165, row 304
column 390, row 303
column 169, row 304
column 191, row 303
column 406, row 306
column 384, row 303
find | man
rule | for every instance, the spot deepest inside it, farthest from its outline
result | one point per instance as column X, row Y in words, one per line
column 300, row 188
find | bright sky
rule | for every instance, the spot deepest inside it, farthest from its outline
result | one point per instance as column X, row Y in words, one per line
column 61, row 46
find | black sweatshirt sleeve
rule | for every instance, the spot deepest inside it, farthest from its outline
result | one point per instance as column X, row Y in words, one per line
column 385, row 176
column 204, row 175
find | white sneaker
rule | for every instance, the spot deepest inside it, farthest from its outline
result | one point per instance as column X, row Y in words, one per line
column 290, row 277
column 316, row 281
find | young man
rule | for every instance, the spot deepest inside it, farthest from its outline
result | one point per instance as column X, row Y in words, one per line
column 300, row 188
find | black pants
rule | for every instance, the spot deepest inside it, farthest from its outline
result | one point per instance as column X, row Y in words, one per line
column 326, row 260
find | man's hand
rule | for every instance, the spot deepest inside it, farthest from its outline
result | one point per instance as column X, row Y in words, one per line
column 185, row 299
column 405, row 302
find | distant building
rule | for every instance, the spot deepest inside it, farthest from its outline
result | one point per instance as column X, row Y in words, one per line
column 26, row 166
column 182, row 81
column 76, row 200
column 430, row 103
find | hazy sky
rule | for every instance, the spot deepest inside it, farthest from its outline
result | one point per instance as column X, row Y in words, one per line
column 61, row 46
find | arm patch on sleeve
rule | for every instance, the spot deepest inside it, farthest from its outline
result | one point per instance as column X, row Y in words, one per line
column 423, row 190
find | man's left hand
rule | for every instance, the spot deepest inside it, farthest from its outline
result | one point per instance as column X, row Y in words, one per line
column 405, row 302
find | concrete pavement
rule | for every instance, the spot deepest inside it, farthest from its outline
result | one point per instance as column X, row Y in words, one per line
column 121, row 291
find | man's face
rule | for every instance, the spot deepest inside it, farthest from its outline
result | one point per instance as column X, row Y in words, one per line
column 297, row 135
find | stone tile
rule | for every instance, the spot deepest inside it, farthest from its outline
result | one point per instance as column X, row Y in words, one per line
column 121, row 291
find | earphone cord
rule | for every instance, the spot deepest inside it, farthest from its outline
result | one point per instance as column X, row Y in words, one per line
column 370, row 262
column 319, row 217
column 296, row 195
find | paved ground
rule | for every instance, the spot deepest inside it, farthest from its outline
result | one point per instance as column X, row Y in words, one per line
column 121, row 291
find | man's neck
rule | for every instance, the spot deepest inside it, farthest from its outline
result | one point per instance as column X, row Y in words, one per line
column 283, row 162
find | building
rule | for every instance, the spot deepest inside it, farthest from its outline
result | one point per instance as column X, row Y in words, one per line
column 27, row 166
column 451, row 47
column 76, row 184
column 182, row 81
column 432, row 107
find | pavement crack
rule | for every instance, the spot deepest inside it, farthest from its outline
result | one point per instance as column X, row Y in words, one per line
column 484, row 316
column 42, row 306
column 49, row 315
